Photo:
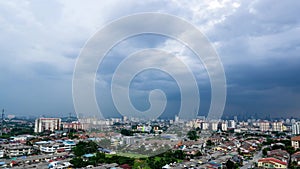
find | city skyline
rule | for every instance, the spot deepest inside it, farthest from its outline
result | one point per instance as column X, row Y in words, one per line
column 258, row 45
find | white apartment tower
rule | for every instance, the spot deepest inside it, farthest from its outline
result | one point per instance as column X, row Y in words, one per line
column 214, row 125
column 264, row 126
column 232, row 124
column 277, row 126
column 205, row 125
column 224, row 125
column 176, row 119
column 296, row 128
column 42, row 124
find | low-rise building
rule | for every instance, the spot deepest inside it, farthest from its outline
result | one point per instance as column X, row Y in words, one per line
column 22, row 138
column 15, row 150
column 271, row 163
column 279, row 154
column 2, row 151
column 296, row 158
column 129, row 140
column 54, row 147
column 295, row 141
column 76, row 125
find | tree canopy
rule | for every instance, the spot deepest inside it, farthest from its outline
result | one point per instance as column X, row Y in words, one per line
column 192, row 135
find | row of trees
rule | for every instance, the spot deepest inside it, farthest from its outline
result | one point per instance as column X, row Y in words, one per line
column 91, row 147
column 126, row 132
column 82, row 148
column 100, row 158
column 150, row 162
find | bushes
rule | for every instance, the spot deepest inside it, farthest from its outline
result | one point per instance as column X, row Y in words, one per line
column 85, row 148
column 100, row 158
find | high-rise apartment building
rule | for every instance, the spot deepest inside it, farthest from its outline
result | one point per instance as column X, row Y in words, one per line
column 264, row 126
column 214, row 125
column 205, row 125
column 224, row 125
column 296, row 128
column 51, row 124
column 232, row 124
column 277, row 126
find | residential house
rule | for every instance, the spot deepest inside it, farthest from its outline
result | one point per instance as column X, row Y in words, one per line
column 279, row 154
column 271, row 163
column 296, row 158
column 295, row 141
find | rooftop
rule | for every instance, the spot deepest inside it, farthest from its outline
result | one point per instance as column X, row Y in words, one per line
column 297, row 138
column 272, row 160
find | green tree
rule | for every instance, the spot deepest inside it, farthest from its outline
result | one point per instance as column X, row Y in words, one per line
column 78, row 162
column 290, row 149
column 85, row 147
column 231, row 165
column 179, row 154
column 140, row 164
column 198, row 154
column 126, row 132
column 192, row 135
column 209, row 143
column 265, row 151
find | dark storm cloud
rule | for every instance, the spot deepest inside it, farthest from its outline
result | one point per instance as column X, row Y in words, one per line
column 257, row 41
column 259, row 45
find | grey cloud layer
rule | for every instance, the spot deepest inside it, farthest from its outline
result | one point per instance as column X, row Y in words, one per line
column 258, row 42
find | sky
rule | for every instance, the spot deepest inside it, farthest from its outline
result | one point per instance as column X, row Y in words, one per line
column 257, row 41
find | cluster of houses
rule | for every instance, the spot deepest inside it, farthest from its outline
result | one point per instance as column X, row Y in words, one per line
column 275, row 159
column 16, row 146
column 279, row 158
column 211, row 151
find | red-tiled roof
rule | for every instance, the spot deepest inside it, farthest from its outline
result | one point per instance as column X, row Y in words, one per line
column 296, row 155
column 272, row 160
column 297, row 138
column 298, row 152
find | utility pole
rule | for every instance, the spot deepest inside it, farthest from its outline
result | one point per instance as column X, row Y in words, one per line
column 2, row 121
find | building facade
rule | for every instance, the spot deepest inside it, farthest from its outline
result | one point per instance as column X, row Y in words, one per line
column 224, row 125
column 296, row 128
column 264, row 126
column 51, row 124
column 295, row 142
column 232, row 124
column 271, row 163
column 277, row 126
column 214, row 125
column 76, row 125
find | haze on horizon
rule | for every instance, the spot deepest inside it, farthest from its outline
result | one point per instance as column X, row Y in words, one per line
column 258, row 43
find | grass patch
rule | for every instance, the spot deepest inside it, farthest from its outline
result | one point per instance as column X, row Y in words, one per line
column 132, row 155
